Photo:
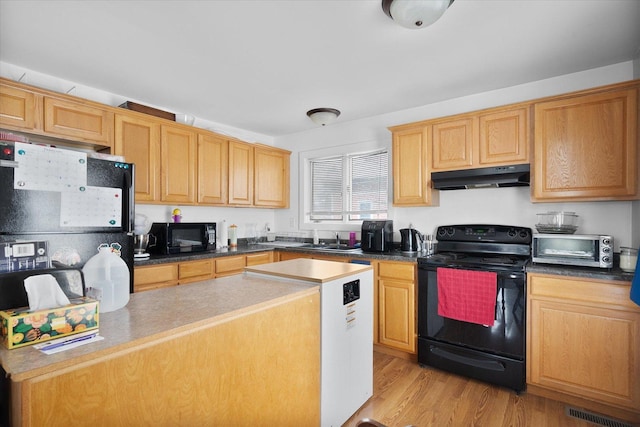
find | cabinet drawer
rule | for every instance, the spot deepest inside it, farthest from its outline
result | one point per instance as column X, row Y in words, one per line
column 260, row 258
column 581, row 289
column 196, row 269
column 230, row 265
column 399, row 271
column 154, row 276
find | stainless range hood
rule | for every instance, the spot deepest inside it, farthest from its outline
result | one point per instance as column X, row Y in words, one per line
column 497, row 176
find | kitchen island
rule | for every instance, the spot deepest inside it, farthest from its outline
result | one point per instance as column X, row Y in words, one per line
column 232, row 351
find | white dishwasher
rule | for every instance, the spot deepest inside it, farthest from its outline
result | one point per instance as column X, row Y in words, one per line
column 346, row 307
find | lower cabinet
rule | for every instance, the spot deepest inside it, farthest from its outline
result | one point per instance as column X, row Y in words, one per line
column 149, row 277
column 397, row 305
column 583, row 341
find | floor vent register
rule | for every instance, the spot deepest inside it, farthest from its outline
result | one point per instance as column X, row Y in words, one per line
column 594, row 418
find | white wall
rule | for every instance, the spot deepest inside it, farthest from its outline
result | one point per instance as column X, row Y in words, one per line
column 498, row 206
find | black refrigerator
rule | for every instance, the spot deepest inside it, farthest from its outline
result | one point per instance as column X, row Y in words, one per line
column 69, row 202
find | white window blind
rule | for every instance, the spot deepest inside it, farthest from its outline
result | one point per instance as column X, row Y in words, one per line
column 350, row 188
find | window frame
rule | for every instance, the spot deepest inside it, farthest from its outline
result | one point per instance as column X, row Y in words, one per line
column 305, row 158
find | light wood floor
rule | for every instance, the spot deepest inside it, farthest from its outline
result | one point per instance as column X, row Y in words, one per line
column 406, row 394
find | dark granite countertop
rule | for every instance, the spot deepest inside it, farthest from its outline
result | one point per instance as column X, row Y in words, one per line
column 594, row 273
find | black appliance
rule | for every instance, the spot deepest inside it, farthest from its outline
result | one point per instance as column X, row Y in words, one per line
column 377, row 236
column 495, row 353
column 177, row 237
column 497, row 176
column 411, row 240
column 68, row 199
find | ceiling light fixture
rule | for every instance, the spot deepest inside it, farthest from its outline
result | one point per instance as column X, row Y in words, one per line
column 415, row 13
column 323, row 116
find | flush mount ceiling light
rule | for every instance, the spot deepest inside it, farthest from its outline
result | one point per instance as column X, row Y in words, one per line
column 323, row 116
column 415, row 13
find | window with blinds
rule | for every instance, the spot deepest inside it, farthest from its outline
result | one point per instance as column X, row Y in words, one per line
column 352, row 187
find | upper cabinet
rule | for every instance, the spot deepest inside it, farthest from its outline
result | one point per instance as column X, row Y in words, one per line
column 55, row 115
column 271, row 177
column 586, row 146
column 79, row 121
column 213, row 169
column 411, row 171
column 240, row 173
column 18, row 108
column 138, row 140
column 495, row 137
column 178, row 165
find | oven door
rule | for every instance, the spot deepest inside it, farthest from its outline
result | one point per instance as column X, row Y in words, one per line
column 490, row 353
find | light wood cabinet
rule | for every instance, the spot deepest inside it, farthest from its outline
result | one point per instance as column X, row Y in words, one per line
column 75, row 120
column 192, row 271
column 454, row 143
column 583, row 340
column 586, row 146
column 19, row 108
column 397, row 305
column 259, row 258
column 229, row 265
column 213, row 169
column 285, row 256
column 240, row 173
column 271, row 177
column 178, row 148
column 149, row 277
column 494, row 137
column 138, row 140
column 411, row 171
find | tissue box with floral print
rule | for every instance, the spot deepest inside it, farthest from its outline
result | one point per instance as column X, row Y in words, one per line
column 22, row 327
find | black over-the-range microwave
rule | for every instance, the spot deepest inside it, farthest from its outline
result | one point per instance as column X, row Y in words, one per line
column 177, row 237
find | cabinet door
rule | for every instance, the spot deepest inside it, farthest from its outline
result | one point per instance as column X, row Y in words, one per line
column 138, row 140
column 584, row 339
column 586, row 147
column 240, row 173
column 18, row 108
column 78, row 121
column 504, row 137
column 454, row 142
column 411, row 173
column 396, row 309
column 213, row 166
column 178, row 165
column 155, row 276
column 271, row 180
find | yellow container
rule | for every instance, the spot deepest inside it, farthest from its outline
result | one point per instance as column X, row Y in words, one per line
column 21, row 327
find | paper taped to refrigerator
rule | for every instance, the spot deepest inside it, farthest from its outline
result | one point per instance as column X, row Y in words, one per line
column 49, row 169
column 91, row 207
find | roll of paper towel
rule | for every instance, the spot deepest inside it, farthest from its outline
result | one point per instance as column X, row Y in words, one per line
column 223, row 234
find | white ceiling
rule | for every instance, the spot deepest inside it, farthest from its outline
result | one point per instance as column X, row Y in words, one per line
column 260, row 65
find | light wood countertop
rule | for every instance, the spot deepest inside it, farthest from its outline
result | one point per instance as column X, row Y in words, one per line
column 159, row 315
column 312, row 270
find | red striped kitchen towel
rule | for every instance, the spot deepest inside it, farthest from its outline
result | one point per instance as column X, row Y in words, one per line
column 467, row 295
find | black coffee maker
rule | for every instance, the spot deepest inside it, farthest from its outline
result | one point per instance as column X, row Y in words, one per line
column 377, row 236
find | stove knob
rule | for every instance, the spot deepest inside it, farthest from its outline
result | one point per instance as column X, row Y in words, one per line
column 524, row 234
column 512, row 232
column 606, row 249
column 605, row 258
column 451, row 231
column 441, row 231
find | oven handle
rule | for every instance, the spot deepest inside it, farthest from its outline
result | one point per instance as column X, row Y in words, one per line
column 483, row 364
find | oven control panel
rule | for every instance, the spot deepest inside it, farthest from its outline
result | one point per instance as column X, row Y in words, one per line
column 484, row 233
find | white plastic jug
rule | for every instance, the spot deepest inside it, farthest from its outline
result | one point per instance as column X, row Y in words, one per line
column 106, row 277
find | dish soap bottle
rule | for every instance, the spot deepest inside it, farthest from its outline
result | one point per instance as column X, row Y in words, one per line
column 106, row 277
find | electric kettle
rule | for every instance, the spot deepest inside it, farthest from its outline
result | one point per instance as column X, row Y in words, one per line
column 410, row 240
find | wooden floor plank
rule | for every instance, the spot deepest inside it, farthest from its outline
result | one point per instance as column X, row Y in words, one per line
column 406, row 394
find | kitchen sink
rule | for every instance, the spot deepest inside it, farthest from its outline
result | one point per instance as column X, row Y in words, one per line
column 331, row 248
